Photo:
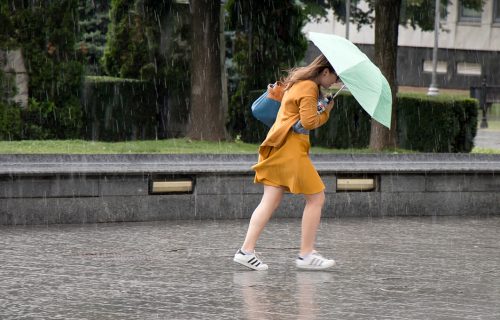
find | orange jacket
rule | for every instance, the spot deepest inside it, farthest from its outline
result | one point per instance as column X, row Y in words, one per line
column 299, row 102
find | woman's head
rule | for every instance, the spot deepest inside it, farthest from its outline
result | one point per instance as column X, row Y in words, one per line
column 320, row 71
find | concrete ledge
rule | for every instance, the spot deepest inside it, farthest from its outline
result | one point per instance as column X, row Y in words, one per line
column 48, row 189
column 237, row 164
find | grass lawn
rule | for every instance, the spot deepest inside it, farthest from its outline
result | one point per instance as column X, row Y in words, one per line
column 173, row 146
column 485, row 151
column 169, row 146
column 457, row 93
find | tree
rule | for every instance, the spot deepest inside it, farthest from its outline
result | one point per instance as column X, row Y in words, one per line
column 93, row 25
column 126, row 50
column 206, row 117
column 386, row 54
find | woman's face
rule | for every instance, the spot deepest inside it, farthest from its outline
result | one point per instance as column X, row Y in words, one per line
column 327, row 78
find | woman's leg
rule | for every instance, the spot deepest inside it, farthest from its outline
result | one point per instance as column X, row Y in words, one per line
column 261, row 215
column 310, row 221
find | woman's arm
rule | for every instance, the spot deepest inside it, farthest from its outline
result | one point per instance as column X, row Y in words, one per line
column 308, row 110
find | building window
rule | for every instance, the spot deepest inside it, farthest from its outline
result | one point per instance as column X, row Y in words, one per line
column 469, row 69
column 466, row 14
column 441, row 66
column 496, row 11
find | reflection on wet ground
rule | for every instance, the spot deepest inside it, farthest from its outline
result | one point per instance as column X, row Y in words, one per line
column 388, row 268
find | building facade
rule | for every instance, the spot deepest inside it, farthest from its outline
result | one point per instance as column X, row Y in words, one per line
column 468, row 50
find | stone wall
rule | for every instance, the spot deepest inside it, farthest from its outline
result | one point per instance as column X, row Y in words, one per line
column 91, row 189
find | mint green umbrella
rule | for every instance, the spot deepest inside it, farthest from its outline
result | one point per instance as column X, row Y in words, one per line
column 363, row 78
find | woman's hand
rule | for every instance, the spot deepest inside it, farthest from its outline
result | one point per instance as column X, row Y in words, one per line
column 329, row 106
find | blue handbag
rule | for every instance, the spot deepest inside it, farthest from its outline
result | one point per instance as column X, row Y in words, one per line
column 265, row 108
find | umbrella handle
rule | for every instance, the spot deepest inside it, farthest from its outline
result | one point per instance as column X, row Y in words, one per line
column 332, row 97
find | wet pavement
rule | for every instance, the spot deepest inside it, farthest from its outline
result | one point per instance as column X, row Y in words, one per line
column 388, row 268
column 487, row 139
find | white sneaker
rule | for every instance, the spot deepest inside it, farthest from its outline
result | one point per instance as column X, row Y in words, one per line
column 249, row 260
column 314, row 261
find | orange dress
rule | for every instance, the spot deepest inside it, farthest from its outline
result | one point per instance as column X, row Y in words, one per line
column 284, row 155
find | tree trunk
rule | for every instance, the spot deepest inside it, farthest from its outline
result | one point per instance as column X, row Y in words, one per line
column 386, row 53
column 206, row 117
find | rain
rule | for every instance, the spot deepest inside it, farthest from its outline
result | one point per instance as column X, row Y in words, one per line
column 131, row 160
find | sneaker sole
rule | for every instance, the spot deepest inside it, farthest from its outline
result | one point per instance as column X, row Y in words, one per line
column 249, row 266
column 309, row 267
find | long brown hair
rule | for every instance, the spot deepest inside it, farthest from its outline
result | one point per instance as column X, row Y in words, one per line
column 308, row 72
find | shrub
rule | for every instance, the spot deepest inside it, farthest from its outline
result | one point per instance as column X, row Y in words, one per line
column 436, row 124
column 118, row 109
column 348, row 126
column 10, row 117
column 44, row 120
column 466, row 113
column 10, row 121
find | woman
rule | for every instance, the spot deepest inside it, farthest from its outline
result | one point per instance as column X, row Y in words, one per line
column 284, row 163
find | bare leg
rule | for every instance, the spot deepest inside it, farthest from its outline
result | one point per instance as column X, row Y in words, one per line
column 310, row 221
column 261, row 215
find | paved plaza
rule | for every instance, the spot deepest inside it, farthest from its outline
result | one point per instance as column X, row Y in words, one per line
column 488, row 139
column 387, row 268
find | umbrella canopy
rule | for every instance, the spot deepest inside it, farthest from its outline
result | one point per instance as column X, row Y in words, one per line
column 363, row 78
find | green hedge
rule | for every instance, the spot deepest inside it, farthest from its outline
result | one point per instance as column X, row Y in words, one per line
column 10, row 121
column 116, row 109
column 10, row 112
column 348, row 126
column 425, row 124
column 436, row 124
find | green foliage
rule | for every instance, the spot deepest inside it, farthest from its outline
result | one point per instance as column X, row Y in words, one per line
column 119, row 109
column 93, row 25
column 126, row 48
column 136, row 48
column 436, row 124
column 134, row 37
column 10, row 121
column 44, row 120
column 466, row 112
column 46, row 32
column 10, row 117
column 266, row 42
column 347, row 128
column 317, row 9
column 427, row 125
